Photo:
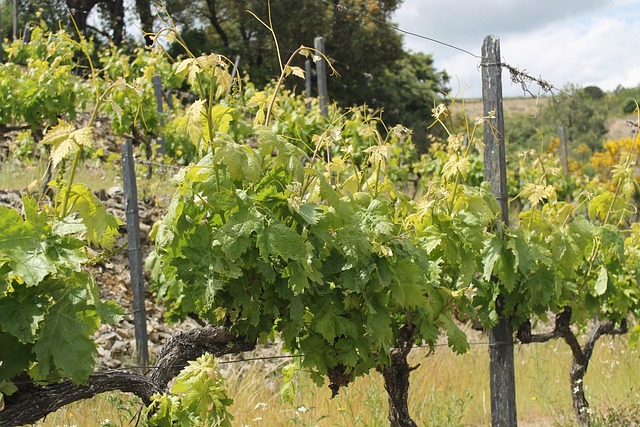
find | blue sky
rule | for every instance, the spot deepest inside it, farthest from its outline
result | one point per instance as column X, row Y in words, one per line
column 584, row 42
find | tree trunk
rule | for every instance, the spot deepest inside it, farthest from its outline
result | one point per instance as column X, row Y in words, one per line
column 80, row 10
column 33, row 401
column 396, row 381
column 215, row 21
column 143, row 7
column 115, row 9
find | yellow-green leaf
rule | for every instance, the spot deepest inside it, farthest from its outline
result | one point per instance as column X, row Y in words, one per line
column 193, row 121
column 296, row 71
column 221, row 117
column 536, row 193
column 65, row 139
column 455, row 166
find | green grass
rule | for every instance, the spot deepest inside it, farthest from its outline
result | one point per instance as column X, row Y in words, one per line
column 446, row 390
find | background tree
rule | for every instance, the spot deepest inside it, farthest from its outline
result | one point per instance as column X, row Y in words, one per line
column 368, row 54
column 582, row 116
column 143, row 7
column 407, row 92
column 112, row 14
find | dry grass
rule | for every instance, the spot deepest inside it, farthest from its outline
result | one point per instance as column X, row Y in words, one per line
column 512, row 106
column 97, row 175
column 20, row 175
column 446, row 390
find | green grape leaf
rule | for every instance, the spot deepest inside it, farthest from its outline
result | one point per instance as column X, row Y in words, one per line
column 22, row 245
column 456, row 165
column 379, row 326
column 456, row 338
column 500, row 262
column 64, row 340
column 21, row 318
column 14, row 355
column 309, row 212
column 32, row 265
column 407, row 290
column 241, row 161
column 278, row 240
column 296, row 71
column 68, row 226
column 536, row 193
column 493, row 252
column 601, row 283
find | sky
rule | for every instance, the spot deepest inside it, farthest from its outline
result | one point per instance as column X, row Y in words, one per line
column 580, row 42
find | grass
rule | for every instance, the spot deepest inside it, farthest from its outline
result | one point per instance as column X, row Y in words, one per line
column 96, row 174
column 20, row 175
column 446, row 390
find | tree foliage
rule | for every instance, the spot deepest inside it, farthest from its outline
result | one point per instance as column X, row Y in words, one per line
column 373, row 68
column 582, row 116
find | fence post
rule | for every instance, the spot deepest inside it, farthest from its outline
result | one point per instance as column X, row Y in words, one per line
column 321, row 71
column 26, row 38
column 15, row 19
column 1, row 41
column 157, row 90
column 563, row 150
column 234, row 72
column 501, row 368
column 307, row 82
column 135, row 253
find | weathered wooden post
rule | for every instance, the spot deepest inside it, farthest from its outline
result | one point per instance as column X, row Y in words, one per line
column 234, row 71
column 26, row 38
column 15, row 19
column 1, row 50
column 157, row 90
column 563, row 150
column 307, row 82
column 502, row 376
column 135, row 253
column 321, row 71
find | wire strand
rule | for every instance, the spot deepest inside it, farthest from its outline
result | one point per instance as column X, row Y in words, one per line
column 343, row 8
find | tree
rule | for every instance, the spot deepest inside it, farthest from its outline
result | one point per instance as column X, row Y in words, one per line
column 582, row 116
column 373, row 69
column 80, row 10
column 112, row 13
column 143, row 7
column 407, row 92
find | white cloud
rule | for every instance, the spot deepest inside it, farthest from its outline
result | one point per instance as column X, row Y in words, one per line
column 582, row 42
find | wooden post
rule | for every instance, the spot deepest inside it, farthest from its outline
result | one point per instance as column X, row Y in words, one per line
column 234, row 72
column 501, row 369
column 564, row 161
column 157, row 90
column 307, row 82
column 26, row 38
column 135, row 253
column 1, row 41
column 15, row 19
column 321, row 70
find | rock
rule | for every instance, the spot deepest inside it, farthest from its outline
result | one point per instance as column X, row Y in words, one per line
column 115, row 192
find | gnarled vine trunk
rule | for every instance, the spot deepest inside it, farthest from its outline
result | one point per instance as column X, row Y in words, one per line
column 581, row 355
column 33, row 401
column 396, row 381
